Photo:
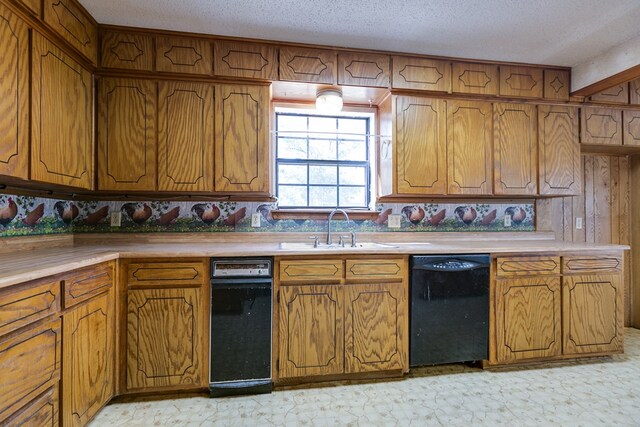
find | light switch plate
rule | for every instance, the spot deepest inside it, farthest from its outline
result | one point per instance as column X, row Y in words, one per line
column 116, row 219
column 578, row 223
column 255, row 220
column 507, row 220
column 393, row 221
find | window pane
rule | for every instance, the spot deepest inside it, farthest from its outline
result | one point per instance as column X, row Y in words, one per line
column 289, row 195
column 352, row 150
column 292, row 174
column 353, row 126
column 292, row 148
column 325, row 126
column 352, row 196
column 323, row 196
column 353, row 175
column 292, row 123
column 323, row 175
column 322, row 149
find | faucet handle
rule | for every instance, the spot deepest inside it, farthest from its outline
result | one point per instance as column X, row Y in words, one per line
column 316, row 241
column 353, row 239
column 341, row 242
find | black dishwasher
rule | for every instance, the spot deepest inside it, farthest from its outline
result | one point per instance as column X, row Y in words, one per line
column 449, row 309
column 241, row 312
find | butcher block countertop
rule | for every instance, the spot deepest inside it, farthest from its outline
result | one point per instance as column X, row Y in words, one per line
column 20, row 266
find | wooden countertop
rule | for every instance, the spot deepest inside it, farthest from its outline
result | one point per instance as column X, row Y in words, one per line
column 23, row 266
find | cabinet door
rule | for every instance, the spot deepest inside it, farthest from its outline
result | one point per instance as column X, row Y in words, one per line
column 182, row 55
column 559, row 146
column 14, row 102
column 129, row 51
column 242, row 139
column 165, row 339
column 526, row 82
column 631, row 135
column 375, row 324
column 618, row 94
column 556, row 84
column 515, row 149
column 480, row 79
column 127, row 134
column 528, row 319
column 42, row 411
column 311, row 331
column 88, row 359
column 601, row 126
column 592, row 313
column 246, row 60
column 421, row 74
column 363, row 69
column 420, row 133
column 308, row 65
column 185, row 137
column 71, row 21
column 469, row 147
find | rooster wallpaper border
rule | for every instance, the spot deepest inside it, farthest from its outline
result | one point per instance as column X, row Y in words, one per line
column 23, row 216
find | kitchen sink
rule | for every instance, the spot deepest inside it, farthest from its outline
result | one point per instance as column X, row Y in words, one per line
column 304, row 246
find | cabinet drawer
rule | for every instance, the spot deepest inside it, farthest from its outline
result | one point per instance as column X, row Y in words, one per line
column 253, row 61
column 591, row 264
column 308, row 65
column 311, row 270
column 129, row 51
column 43, row 411
column 28, row 303
column 421, row 74
column 373, row 269
column 524, row 266
column 74, row 25
column 80, row 285
column 166, row 273
column 190, row 56
column 29, row 365
column 363, row 69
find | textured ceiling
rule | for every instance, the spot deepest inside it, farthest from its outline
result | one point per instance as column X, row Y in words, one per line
column 559, row 32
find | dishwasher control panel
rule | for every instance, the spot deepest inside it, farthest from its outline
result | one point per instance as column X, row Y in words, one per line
column 241, row 268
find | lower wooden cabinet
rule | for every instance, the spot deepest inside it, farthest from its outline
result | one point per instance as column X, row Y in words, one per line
column 42, row 411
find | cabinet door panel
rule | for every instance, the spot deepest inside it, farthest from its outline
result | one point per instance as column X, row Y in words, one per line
column 631, row 134
column 528, row 319
column 247, row 60
column 14, row 102
column 592, row 314
column 62, row 118
column 480, row 79
column 363, row 69
column 128, row 51
column 618, row 94
column 28, row 303
column 421, row 73
column 469, row 147
column 515, row 149
column 634, row 92
column 70, row 20
column 43, row 411
column 191, row 56
column 524, row 82
column 556, row 84
column 420, row 125
column 88, row 358
column 127, row 134
column 311, row 331
column 242, row 139
column 375, row 327
column 185, row 137
column 165, row 339
column 559, row 166
column 308, row 65
column 601, row 126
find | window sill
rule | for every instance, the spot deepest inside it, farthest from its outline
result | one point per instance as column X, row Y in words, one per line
column 319, row 214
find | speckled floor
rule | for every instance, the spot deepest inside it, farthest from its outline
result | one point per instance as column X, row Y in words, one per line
column 602, row 391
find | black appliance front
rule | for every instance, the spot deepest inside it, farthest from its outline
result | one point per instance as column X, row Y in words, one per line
column 241, row 312
column 449, row 309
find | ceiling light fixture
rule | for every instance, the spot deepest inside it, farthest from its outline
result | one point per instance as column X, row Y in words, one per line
column 329, row 100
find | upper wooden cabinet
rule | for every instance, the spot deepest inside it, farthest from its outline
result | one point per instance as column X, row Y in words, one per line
column 185, row 136
column 420, row 73
column 308, row 65
column 363, row 69
column 601, row 126
column 183, row 55
column 14, row 103
column 559, row 166
column 62, row 118
column 618, row 94
column 128, row 51
column 481, row 79
column 34, row 6
column 469, row 147
column 127, row 134
column 631, row 127
column 634, row 92
column 74, row 25
column 557, row 84
column 524, row 82
column 515, row 149
column 242, row 139
column 248, row 60
column 420, row 145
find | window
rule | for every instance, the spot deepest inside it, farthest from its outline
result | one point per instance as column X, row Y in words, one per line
column 323, row 161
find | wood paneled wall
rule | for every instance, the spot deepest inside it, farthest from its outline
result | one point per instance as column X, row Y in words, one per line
column 605, row 209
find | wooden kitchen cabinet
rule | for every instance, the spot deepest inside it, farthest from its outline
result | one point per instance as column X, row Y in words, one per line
column 242, row 154
column 363, row 69
column 374, row 325
column 72, row 22
column 311, row 335
column 185, row 136
column 62, row 117
column 34, row 6
column 308, row 65
column 420, row 145
column 14, row 104
column 515, row 153
column 559, row 165
column 481, row 79
column 528, row 318
column 631, row 128
column 42, row 411
column 245, row 60
column 127, row 51
column 618, row 94
column 601, row 126
column 525, row 82
column 556, row 84
column 127, row 119
column 469, row 147
column 421, row 74
column 184, row 55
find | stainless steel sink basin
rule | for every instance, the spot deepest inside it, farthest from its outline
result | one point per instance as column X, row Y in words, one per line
column 304, row 246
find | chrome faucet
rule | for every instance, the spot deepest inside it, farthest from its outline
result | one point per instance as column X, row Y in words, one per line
column 333, row 212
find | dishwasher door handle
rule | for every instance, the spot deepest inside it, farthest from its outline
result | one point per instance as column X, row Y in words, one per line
column 432, row 267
